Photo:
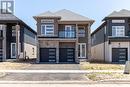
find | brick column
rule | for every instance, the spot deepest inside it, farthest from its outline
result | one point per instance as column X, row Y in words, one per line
column 38, row 51
column 89, row 42
column 57, row 54
column 76, row 45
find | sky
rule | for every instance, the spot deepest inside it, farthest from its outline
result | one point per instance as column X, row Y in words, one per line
column 94, row 9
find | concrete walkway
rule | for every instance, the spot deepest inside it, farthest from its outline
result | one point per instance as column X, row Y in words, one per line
column 54, row 67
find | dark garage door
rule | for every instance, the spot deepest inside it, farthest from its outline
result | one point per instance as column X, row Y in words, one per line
column 1, row 52
column 119, row 55
column 67, row 55
column 48, row 55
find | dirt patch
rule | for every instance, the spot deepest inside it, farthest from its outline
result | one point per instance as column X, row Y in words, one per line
column 13, row 66
column 98, row 66
column 104, row 76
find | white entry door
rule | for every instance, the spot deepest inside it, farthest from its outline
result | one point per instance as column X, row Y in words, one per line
column 13, row 50
column 82, row 50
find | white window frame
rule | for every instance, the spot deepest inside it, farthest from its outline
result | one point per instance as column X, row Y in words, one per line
column 45, row 25
column 70, row 33
column 19, row 47
column 118, row 21
column 81, row 51
column 117, row 29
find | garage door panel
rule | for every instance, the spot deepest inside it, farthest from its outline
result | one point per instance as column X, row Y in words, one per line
column 48, row 55
column 119, row 55
column 67, row 55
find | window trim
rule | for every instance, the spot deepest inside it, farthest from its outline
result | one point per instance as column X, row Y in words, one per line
column 66, row 33
column 47, row 21
column 118, row 21
column 81, row 50
column 46, row 29
column 116, row 31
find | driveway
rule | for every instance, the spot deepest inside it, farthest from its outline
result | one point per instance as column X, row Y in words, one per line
column 53, row 67
column 42, row 77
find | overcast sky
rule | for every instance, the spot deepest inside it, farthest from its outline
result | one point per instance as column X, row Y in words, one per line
column 94, row 9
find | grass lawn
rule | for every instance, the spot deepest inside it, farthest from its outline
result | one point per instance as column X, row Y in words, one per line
column 100, row 76
column 99, row 66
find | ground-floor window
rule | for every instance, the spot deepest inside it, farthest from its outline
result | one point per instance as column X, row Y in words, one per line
column 82, row 50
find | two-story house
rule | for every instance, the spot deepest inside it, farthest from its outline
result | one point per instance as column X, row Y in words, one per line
column 26, row 38
column 111, row 40
column 63, row 37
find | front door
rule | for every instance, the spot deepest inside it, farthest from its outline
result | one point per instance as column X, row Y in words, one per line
column 13, row 50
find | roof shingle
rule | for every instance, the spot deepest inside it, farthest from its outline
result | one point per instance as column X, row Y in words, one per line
column 65, row 15
column 121, row 13
column 8, row 17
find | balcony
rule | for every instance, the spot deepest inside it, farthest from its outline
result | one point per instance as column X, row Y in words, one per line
column 67, row 34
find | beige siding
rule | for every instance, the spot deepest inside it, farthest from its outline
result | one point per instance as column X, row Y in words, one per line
column 97, row 52
column 107, row 59
column 28, row 48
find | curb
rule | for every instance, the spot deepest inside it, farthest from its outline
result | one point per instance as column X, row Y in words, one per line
column 60, row 71
column 61, row 82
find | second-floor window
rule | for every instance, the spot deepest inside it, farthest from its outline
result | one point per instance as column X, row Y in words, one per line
column 69, row 31
column 118, row 31
column 47, row 29
column 13, row 31
column 81, row 31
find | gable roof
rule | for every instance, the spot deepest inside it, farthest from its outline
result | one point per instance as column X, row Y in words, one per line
column 121, row 13
column 11, row 17
column 65, row 15
column 4, row 17
column 47, row 14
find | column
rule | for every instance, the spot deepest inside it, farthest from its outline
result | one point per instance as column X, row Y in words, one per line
column 89, row 42
column 4, row 42
column 57, row 53
column 76, row 45
column 38, row 54
column 17, row 41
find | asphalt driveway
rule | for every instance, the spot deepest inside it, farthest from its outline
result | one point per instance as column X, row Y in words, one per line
column 42, row 77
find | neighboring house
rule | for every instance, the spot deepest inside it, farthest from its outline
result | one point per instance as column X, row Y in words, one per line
column 27, row 38
column 111, row 41
column 63, row 37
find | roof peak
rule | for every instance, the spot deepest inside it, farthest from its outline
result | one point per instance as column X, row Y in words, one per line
column 65, row 15
column 121, row 13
